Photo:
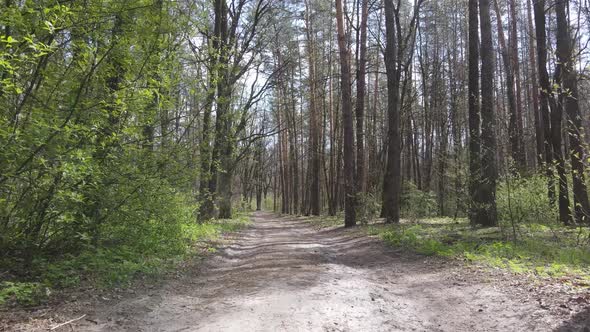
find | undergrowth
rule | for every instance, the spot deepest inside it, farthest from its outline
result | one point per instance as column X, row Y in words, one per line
column 528, row 239
column 543, row 255
column 325, row 221
column 116, row 265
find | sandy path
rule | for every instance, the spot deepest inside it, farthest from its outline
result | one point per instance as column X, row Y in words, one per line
column 282, row 275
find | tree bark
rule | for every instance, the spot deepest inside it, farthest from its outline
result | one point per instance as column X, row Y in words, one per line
column 521, row 156
column 568, row 97
column 360, row 100
column 347, row 121
column 513, row 125
column 539, row 133
column 489, row 170
column 544, row 94
column 314, row 137
column 474, row 116
column 392, row 180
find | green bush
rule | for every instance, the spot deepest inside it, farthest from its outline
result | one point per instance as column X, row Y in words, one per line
column 152, row 231
column 525, row 201
column 92, row 176
column 23, row 293
column 367, row 208
column 416, row 238
column 416, row 204
column 541, row 254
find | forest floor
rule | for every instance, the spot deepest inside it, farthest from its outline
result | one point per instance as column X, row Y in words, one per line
column 282, row 274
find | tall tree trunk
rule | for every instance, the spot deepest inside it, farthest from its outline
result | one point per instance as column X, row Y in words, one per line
column 559, row 159
column 360, row 100
column 259, row 174
column 569, row 100
column 207, row 208
column 274, row 193
column 333, row 173
column 392, row 180
column 281, row 156
column 347, row 121
column 507, row 60
column 442, row 164
column 521, row 157
column 544, row 93
column 489, row 169
column 314, row 168
column 294, row 155
column 539, row 133
column 226, row 158
column 456, row 89
column 223, row 148
column 556, row 117
column 374, row 171
column 474, row 116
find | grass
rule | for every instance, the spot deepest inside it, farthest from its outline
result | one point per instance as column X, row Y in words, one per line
column 24, row 293
column 324, row 221
column 115, row 266
column 543, row 250
column 537, row 250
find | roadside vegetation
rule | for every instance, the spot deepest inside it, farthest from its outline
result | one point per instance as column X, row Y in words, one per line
column 528, row 239
column 148, row 253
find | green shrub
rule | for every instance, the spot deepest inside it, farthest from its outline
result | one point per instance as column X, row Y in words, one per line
column 540, row 253
column 525, row 201
column 147, row 236
column 368, row 208
column 416, row 204
column 415, row 238
column 431, row 247
column 23, row 293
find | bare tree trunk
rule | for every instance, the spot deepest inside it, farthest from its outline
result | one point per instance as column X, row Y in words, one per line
column 392, row 180
column 455, row 86
column 568, row 98
column 521, row 157
column 347, row 121
column 474, row 116
column 226, row 161
column 545, row 93
column 488, row 135
column 314, row 169
column 539, row 133
column 360, row 100
column 374, row 171
column 280, row 153
column 507, row 59
column 559, row 160
column 555, row 117
column 294, row 155
column 333, row 173
column 442, row 164
column 207, row 208
column 259, row 176
column 274, row 193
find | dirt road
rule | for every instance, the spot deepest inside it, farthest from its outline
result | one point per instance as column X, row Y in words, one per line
column 282, row 275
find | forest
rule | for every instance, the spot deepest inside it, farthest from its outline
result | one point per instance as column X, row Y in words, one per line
column 140, row 138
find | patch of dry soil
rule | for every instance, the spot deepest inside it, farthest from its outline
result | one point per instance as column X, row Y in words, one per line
column 283, row 275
